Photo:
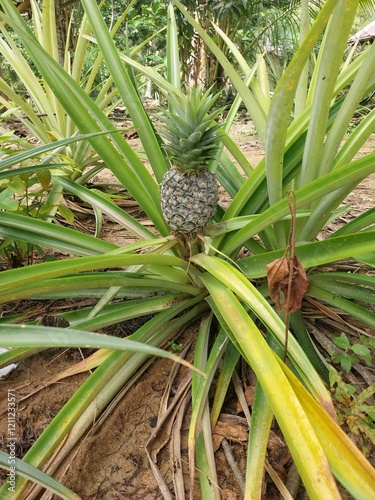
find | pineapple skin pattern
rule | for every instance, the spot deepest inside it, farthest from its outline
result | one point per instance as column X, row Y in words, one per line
column 189, row 190
column 189, row 199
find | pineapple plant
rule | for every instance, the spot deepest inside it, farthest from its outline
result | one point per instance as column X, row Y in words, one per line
column 189, row 190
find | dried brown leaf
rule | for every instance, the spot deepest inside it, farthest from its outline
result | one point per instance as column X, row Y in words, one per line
column 249, row 397
column 278, row 277
column 216, row 441
column 275, row 445
column 225, row 430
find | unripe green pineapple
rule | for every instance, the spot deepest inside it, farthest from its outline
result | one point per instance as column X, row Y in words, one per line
column 189, row 191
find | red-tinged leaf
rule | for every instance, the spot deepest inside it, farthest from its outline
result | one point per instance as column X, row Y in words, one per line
column 282, row 273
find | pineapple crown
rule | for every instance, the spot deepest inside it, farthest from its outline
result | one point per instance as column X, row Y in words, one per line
column 192, row 139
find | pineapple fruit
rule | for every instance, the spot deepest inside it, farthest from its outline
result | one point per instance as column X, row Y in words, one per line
column 189, row 191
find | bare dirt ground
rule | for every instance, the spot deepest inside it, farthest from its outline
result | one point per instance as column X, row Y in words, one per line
column 110, row 463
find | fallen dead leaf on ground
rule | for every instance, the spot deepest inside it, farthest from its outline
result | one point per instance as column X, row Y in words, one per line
column 229, row 431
